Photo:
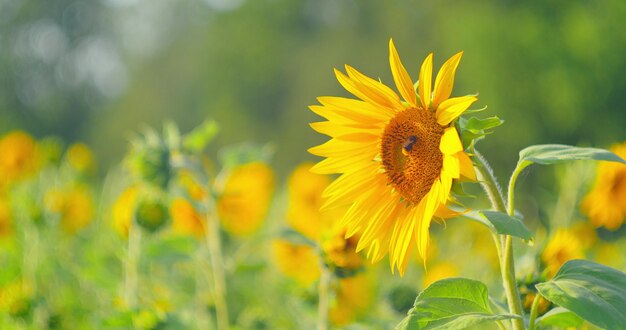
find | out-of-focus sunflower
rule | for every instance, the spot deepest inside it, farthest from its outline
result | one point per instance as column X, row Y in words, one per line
column 74, row 205
column 246, row 197
column 606, row 202
column 564, row 245
column 6, row 217
column 304, row 191
column 80, row 157
column 185, row 219
column 353, row 299
column 397, row 158
column 438, row 272
column 18, row 157
column 124, row 209
column 299, row 262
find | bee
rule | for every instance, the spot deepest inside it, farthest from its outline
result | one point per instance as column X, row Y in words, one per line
column 408, row 144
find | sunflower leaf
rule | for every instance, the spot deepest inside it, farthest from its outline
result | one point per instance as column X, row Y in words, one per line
column 454, row 303
column 560, row 317
column 201, row 136
column 594, row 292
column 507, row 225
column 475, row 129
column 547, row 154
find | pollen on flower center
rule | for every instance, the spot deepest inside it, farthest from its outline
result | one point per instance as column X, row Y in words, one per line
column 410, row 152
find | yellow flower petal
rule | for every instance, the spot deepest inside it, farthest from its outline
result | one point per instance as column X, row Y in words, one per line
column 445, row 80
column 364, row 112
column 467, row 168
column 425, row 82
column 451, row 109
column 375, row 89
column 401, row 76
column 450, row 142
column 424, row 216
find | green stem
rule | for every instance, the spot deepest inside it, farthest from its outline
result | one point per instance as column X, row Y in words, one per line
column 505, row 247
column 533, row 312
column 322, row 311
column 132, row 264
column 214, row 244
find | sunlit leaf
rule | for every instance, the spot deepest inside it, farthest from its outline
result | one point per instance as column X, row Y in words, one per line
column 507, row 225
column 547, row 154
column 559, row 317
column 454, row 303
column 595, row 292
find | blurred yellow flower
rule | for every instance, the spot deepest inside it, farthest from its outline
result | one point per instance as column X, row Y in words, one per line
column 18, row 156
column 341, row 252
column 438, row 272
column 305, row 200
column 124, row 209
column 185, row 219
column 299, row 262
column 610, row 254
column 15, row 297
column 606, row 202
column 74, row 205
column 585, row 233
column 80, row 157
column 564, row 245
column 397, row 159
column 246, row 197
column 354, row 297
column 192, row 187
column 6, row 217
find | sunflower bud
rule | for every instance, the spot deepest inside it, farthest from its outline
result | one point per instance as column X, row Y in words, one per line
column 151, row 164
column 151, row 214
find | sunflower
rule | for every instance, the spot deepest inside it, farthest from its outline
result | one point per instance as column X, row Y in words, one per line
column 564, row 245
column 397, row 159
column 606, row 202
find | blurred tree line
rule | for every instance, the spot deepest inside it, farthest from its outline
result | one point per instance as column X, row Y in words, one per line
column 98, row 70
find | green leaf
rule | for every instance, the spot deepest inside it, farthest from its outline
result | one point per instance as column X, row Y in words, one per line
column 454, row 303
column 170, row 249
column 474, row 129
column 201, row 136
column 507, row 225
column 547, row 154
column 595, row 292
column 559, row 317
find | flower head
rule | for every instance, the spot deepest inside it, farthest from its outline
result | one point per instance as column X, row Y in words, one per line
column 74, row 205
column 606, row 202
column 564, row 245
column 246, row 197
column 185, row 219
column 18, row 156
column 397, row 158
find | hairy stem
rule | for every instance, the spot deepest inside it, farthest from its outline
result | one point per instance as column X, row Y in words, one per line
column 505, row 247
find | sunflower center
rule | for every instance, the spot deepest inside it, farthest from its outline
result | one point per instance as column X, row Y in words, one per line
column 410, row 153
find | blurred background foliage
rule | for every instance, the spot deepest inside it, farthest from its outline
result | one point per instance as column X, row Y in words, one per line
column 97, row 70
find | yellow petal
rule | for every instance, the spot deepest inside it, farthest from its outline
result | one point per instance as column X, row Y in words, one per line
column 426, row 210
column 450, row 142
column 357, row 108
column 445, row 80
column 467, row 168
column 401, row 238
column 401, row 76
column 452, row 108
column 451, row 166
column 425, row 82
column 376, row 90
column 346, row 133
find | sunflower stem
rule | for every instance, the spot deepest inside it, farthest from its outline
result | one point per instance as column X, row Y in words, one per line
column 324, row 286
column 504, row 245
column 533, row 312
column 214, row 244
column 132, row 265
